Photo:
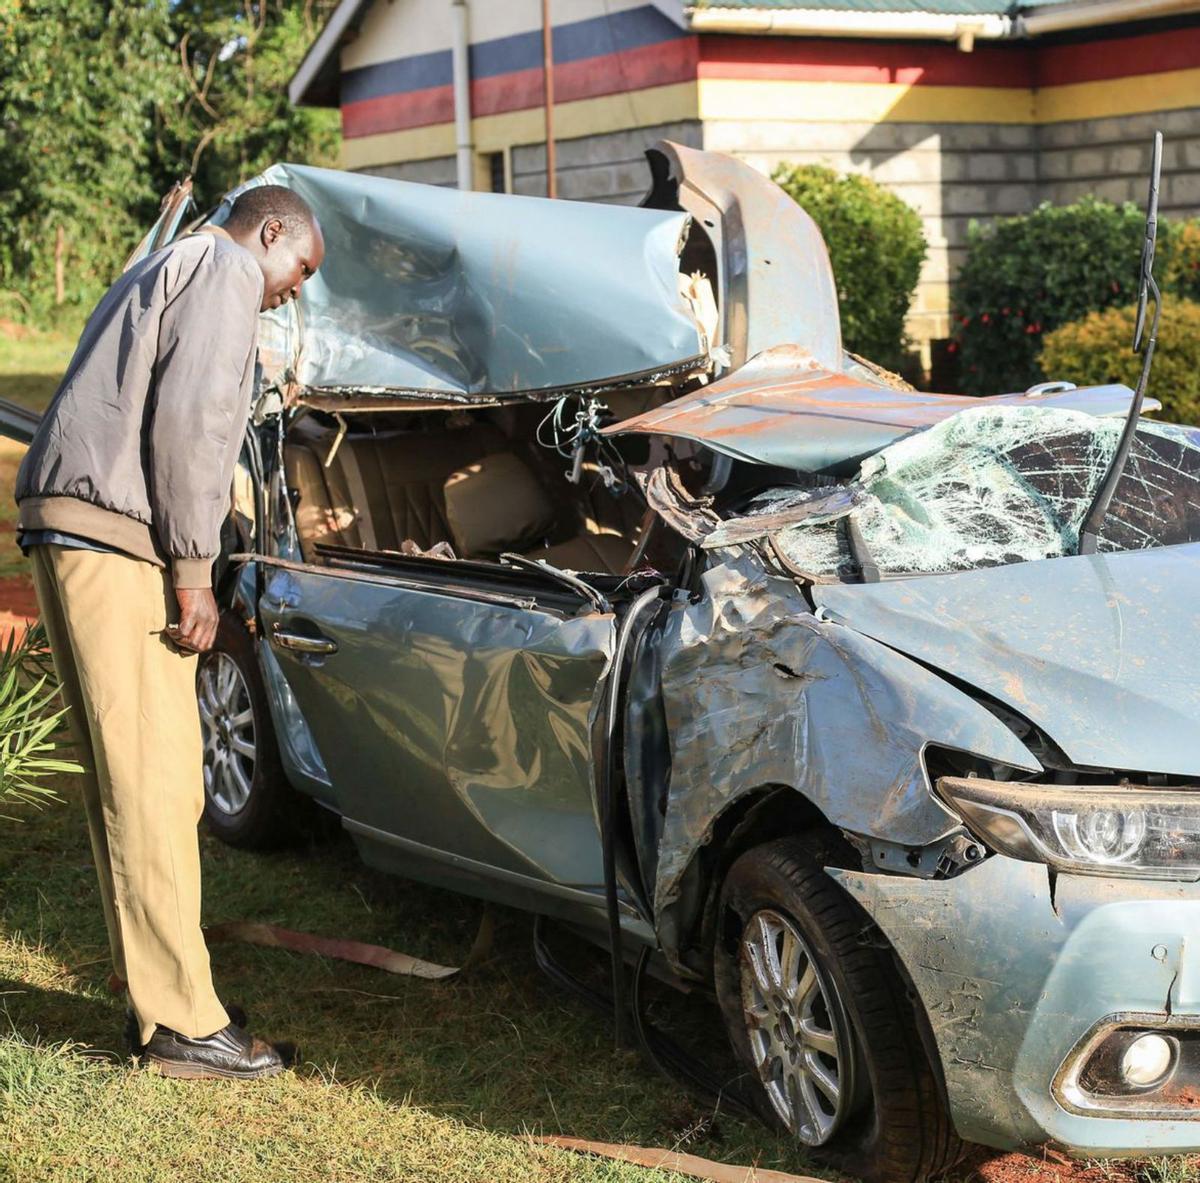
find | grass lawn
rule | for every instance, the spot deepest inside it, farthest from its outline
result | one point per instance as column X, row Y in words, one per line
column 401, row 1079
column 31, row 364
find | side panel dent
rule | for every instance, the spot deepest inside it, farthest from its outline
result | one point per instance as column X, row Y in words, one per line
column 759, row 692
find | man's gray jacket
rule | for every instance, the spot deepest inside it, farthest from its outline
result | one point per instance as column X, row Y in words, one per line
column 138, row 446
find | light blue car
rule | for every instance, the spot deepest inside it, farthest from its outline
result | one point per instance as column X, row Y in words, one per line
column 574, row 565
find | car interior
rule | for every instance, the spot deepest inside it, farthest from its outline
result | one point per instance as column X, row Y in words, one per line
column 470, row 484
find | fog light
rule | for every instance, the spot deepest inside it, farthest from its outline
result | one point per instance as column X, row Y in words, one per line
column 1146, row 1061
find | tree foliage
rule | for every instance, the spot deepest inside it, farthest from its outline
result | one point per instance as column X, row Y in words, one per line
column 80, row 81
column 235, row 61
column 104, row 103
column 876, row 245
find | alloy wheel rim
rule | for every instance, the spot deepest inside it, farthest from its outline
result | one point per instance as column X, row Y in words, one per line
column 799, row 1035
column 227, row 726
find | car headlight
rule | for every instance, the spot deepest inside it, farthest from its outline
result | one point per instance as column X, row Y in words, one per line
column 1108, row 830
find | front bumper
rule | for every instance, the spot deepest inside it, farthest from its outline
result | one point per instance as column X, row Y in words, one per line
column 1018, row 975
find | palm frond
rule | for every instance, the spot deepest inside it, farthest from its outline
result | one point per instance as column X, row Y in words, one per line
column 32, row 720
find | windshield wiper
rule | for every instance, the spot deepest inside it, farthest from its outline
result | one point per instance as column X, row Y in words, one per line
column 1147, row 287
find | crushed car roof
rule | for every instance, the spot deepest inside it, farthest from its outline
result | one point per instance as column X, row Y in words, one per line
column 463, row 296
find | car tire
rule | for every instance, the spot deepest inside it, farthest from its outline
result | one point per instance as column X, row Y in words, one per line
column 839, row 991
column 247, row 799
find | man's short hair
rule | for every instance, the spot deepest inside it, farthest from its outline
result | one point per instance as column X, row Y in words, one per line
column 264, row 202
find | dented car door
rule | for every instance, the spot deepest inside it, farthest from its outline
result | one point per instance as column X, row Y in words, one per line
column 453, row 710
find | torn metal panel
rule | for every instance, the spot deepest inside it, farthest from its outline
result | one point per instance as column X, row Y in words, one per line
column 1095, row 650
column 777, row 509
column 690, row 517
column 1013, row 975
column 441, row 293
column 759, row 692
column 788, row 408
column 775, row 283
column 997, row 485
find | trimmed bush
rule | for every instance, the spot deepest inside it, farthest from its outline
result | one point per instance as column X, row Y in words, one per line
column 1097, row 349
column 876, row 245
column 1024, row 277
column 1181, row 273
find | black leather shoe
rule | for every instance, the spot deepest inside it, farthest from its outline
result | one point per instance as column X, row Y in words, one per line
column 230, row 1053
column 133, row 1034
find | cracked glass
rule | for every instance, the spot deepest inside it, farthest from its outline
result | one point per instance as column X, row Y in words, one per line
column 992, row 486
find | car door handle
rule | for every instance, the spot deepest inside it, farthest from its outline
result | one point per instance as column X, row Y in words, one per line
column 301, row 642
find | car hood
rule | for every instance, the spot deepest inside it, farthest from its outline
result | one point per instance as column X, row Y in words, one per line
column 1101, row 652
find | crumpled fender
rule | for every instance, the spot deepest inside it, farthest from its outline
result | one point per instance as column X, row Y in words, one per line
column 758, row 691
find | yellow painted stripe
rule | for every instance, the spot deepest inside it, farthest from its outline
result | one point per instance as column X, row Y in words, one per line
column 492, row 133
column 1136, row 95
column 414, row 143
column 861, row 102
column 758, row 100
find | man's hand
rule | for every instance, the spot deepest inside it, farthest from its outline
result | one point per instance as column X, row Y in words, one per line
column 198, row 618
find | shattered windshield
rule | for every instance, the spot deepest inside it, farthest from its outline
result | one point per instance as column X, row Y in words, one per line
column 986, row 487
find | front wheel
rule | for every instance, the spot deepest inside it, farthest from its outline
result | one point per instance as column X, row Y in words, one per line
column 247, row 800
column 817, row 1011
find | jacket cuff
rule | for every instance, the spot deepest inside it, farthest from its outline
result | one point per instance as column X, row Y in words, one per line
column 192, row 574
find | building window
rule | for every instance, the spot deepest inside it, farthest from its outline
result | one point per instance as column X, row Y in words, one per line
column 497, row 179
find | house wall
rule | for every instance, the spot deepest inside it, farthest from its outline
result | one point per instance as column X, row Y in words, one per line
column 965, row 137
column 600, row 168
column 619, row 65
column 960, row 136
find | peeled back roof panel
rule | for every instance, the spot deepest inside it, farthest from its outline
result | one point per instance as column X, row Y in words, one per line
column 783, row 408
column 456, row 295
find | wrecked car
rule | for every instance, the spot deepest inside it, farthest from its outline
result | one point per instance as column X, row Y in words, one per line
column 573, row 564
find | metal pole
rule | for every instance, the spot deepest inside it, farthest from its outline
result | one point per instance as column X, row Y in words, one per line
column 460, row 57
column 548, row 75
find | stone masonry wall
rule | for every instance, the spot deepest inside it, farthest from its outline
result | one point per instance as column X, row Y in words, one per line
column 950, row 173
column 608, row 167
column 441, row 170
column 1111, row 158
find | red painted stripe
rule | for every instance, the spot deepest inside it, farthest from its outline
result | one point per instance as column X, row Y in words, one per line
column 787, row 58
column 820, row 59
column 1099, row 61
column 616, row 73
column 396, row 112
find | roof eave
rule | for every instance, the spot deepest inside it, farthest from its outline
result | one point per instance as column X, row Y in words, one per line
column 963, row 28
column 315, row 82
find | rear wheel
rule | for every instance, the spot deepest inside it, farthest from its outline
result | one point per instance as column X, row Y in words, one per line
column 247, row 800
column 818, row 1012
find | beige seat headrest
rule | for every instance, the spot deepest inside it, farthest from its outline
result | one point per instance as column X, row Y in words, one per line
column 496, row 505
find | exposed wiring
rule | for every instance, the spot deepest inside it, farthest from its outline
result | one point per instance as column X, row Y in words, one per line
column 571, row 426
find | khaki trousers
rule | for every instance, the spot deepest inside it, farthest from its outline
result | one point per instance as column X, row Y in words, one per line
column 133, row 713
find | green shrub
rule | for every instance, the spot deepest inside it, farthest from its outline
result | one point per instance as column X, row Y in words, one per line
column 1097, row 349
column 876, row 245
column 1025, row 276
column 1181, row 272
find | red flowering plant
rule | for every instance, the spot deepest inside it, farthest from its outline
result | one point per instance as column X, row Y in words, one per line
column 1025, row 276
